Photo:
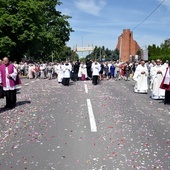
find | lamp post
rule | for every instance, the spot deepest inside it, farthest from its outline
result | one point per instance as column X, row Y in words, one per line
column 82, row 48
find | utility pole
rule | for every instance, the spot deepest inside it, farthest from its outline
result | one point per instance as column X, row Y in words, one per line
column 82, row 47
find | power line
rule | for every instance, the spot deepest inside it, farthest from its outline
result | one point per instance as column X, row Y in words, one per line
column 149, row 15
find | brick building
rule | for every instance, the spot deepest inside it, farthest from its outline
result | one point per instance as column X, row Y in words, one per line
column 127, row 46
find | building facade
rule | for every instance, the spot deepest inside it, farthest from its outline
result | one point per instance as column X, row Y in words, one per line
column 127, row 46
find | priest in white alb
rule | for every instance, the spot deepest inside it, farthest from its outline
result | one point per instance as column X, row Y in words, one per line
column 157, row 73
column 141, row 78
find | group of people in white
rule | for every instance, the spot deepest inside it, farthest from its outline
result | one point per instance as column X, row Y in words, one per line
column 147, row 75
column 154, row 73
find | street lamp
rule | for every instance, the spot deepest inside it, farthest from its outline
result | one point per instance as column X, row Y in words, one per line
column 82, row 48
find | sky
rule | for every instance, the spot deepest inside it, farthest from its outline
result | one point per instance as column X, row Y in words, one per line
column 100, row 22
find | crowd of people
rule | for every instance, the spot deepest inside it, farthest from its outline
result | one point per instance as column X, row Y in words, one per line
column 154, row 75
column 78, row 70
column 141, row 72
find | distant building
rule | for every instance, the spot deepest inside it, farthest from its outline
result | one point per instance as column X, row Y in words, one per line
column 127, row 46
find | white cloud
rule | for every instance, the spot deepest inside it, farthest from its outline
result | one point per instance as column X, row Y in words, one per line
column 148, row 39
column 108, row 20
column 165, row 3
column 66, row 11
column 90, row 6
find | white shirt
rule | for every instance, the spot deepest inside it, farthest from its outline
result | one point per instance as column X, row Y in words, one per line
column 95, row 69
column 13, row 75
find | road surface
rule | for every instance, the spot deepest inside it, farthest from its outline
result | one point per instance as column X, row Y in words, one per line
column 84, row 127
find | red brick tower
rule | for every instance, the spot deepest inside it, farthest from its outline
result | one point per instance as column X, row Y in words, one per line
column 127, row 46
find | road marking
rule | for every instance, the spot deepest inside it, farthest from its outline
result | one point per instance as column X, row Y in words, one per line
column 18, row 87
column 26, row 84
column 91, row 116
column 86, row 89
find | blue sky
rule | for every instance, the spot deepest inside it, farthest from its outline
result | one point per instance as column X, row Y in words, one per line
column 100, row 22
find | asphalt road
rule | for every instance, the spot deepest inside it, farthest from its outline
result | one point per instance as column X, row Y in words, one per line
column 84, row 127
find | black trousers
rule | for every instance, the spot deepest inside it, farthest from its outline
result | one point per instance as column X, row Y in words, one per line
column 66, row 81
column 89, row 72
column 76, row 76
column 167, row 97
column 11, row 98
column 95, row 80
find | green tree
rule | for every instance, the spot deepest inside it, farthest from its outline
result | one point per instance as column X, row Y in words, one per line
column 162, row 52
column 32, row 27
column 138, row 53
column 166, row 44
column 102, row 52
column 66, row 54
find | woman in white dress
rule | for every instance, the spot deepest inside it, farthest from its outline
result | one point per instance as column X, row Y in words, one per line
column 59, row 71
column 31, row 71
column 82, row 74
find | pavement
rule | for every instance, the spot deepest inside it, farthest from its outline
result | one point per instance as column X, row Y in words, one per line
column 84, row 127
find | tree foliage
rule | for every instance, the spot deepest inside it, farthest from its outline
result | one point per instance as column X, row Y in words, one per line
column 66, row 54
column 33, row 28
column 102, row 53
column 162, row 52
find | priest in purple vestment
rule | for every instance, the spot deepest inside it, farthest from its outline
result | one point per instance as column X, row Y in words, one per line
column 9, row 79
